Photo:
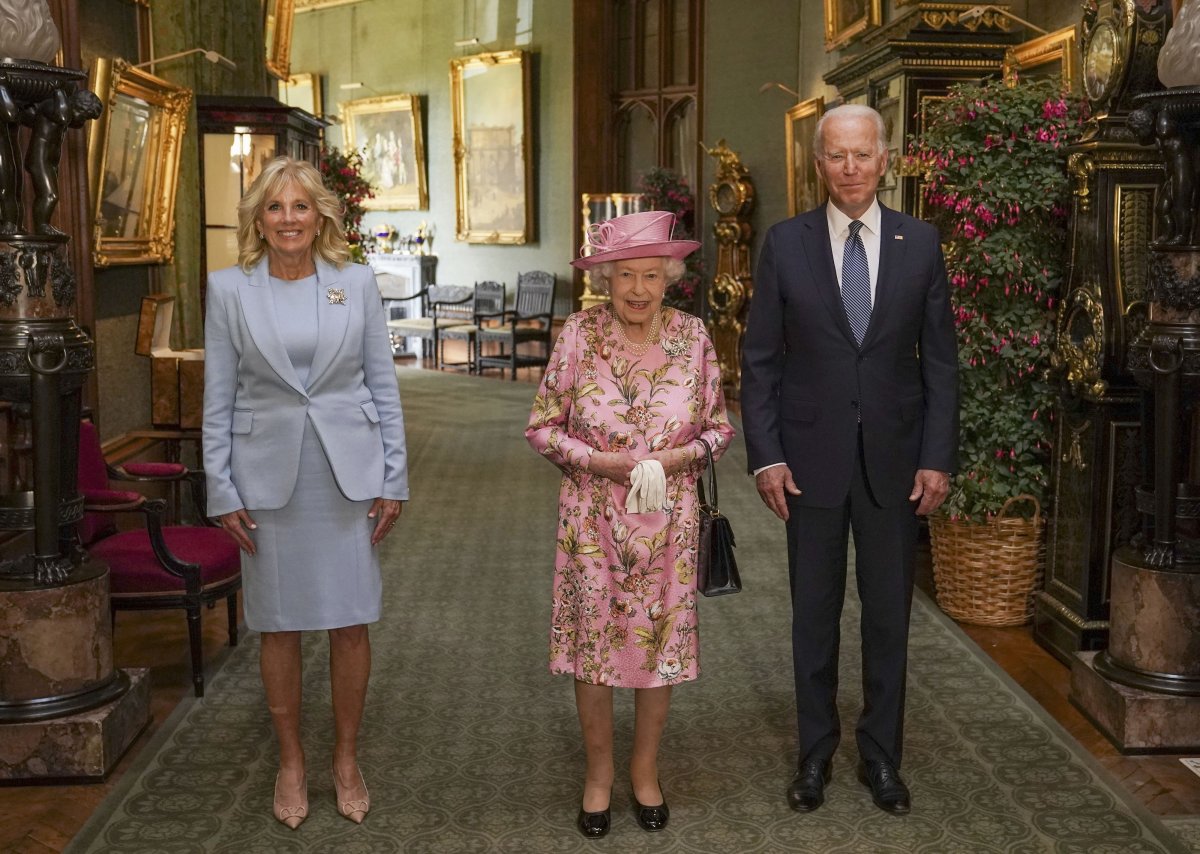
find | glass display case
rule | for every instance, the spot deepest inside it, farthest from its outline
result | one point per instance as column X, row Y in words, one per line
column 238, row 136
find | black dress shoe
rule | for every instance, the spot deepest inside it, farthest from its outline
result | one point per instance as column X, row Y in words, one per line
column 887, row 789
column 593, row 825
column 806, row 792
column 652, row 819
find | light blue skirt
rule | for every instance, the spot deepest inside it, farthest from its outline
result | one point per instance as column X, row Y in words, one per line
column 315, row 567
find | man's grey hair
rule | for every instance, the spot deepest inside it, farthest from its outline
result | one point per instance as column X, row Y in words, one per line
column 850, row 111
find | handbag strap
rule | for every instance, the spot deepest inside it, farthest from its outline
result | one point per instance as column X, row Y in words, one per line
column 712, row 478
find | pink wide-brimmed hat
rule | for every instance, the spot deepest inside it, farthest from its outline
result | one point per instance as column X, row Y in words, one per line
column 638, row 235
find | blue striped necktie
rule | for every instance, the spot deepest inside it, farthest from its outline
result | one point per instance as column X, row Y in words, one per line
column 856, row 283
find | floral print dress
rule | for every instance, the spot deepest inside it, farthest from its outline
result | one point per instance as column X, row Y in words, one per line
column 624, row 609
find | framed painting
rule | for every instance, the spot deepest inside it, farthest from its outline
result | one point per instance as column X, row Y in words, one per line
column 847, row 20
column 133, row 164
column 387, row 132
column 492, row 147
column 1054, row 54
column 303, row 91
column 313, row 5
column 804, row 189
column 277, row 32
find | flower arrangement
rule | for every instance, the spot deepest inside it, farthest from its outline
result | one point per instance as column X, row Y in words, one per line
column 996, row 185
column 664, row 190
column 343, row 176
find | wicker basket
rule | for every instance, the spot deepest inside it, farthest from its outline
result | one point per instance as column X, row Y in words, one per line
column 986, row 574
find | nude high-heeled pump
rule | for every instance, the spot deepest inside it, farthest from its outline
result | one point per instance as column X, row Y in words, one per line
column 292, row 815
column 355, row 809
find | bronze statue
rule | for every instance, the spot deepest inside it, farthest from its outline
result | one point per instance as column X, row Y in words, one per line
column 1179, row 146
column 10, row 162
column 50, row 120
column 1179, row 200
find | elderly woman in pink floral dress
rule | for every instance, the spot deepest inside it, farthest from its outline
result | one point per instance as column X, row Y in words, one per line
column 628, row 381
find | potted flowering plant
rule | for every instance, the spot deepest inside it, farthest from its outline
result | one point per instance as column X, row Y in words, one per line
column 343, row 176
column 665, row 190
column 995, row 183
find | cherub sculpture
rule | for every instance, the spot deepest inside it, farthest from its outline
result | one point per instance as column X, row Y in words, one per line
column 50, row 120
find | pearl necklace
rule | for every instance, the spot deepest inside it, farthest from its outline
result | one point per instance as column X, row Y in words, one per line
column 651, row 336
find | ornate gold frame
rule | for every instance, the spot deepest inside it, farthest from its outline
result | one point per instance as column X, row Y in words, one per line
column 277, row 31
column 311, row 5
column 313, row 81
column 840, row 29
column 391, row 200
column 812, row 108
column 1060, row 48
column 475, row 67
column 169, row 104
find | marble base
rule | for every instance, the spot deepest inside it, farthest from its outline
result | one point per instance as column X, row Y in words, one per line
column 1153, row 643
column 1135, row 721
column 81, row 747
column 55, row 642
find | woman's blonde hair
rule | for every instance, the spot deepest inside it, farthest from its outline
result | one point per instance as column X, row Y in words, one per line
column 673, row 270
column 330, row 244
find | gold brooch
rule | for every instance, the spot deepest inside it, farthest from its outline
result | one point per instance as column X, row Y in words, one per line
column 337, row 296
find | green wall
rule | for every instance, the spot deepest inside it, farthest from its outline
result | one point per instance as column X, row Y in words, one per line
column 405, row 46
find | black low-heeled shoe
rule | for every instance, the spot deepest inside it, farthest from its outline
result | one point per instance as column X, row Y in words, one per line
column 652, row 819
column 594, row 825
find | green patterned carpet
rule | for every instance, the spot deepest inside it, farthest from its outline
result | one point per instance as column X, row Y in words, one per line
column 469, row 745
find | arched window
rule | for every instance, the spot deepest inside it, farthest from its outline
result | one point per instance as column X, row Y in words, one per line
column 656, row 94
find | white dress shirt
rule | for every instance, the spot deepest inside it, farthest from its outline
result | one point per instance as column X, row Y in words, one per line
column 839, row 233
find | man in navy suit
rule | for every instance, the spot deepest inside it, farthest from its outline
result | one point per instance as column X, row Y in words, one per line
column 850, row 403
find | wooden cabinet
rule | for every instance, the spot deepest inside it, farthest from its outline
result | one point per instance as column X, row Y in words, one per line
column 239, row 135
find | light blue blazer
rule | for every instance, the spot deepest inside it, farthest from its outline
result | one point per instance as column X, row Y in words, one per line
column 255, row 405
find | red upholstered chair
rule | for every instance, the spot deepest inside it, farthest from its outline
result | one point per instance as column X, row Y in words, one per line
column 156, row 566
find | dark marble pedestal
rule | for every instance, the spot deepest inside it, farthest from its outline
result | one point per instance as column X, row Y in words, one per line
column 76, row 748
column 1135, row 720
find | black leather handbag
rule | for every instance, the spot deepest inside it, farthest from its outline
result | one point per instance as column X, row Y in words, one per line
column 717, row 572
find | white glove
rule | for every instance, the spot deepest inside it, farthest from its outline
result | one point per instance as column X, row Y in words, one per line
column 648, row 488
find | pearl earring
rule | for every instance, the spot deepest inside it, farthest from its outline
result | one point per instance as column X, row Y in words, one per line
column 318, row 232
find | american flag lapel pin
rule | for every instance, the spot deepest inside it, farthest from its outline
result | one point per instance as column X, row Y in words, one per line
column 899, row 236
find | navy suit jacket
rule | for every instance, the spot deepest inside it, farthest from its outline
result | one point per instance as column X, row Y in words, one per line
column 806, row 384
column 255, row 406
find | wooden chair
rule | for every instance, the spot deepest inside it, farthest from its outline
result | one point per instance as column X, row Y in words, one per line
column 156, row 566
column 489, row 301
column 443, row 306
column 529, row 321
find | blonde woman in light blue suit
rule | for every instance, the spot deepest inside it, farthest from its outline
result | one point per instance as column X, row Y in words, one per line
column 304, row 455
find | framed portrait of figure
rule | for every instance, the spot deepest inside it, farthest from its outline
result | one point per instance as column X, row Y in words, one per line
column 277, row 33
column 492, row 147
column 133, row 164
column 387, row 132
column 847, row 20
column 804, row 189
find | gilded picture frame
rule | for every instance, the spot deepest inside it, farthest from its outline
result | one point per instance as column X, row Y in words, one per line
column 1054, row 53
column 492, row 147
column 133, row 164
column 313, row 5
column 387, row 132
column 847, row 20
column 277, row 33
column 302, row 90
column 804, row 187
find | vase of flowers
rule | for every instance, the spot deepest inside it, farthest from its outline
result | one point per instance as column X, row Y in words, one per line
column 665, row 190
column 343, row 176
column 992, row 159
